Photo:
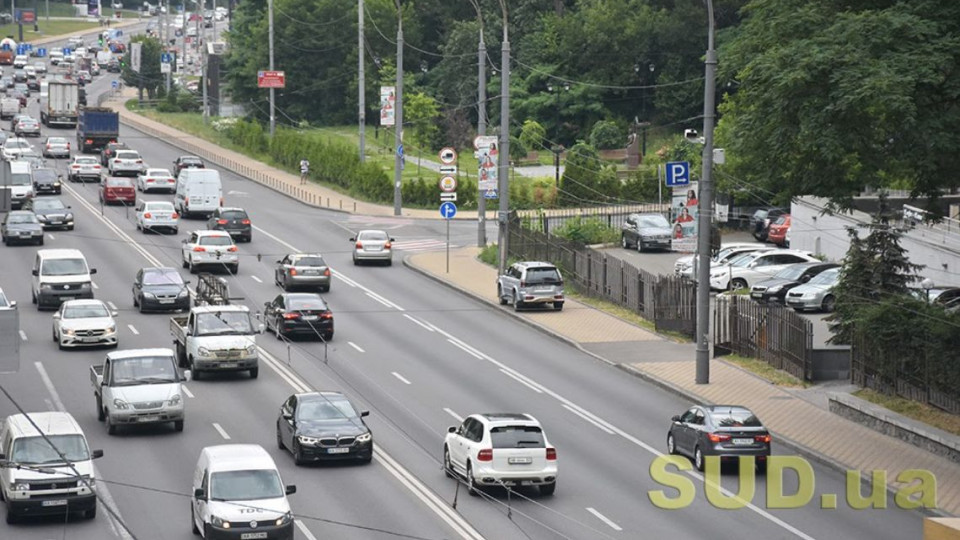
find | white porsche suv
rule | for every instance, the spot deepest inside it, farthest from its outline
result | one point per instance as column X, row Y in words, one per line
column 501, row 449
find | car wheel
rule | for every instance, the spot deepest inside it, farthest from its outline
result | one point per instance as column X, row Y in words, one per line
column 297, row 453
column 193, row 268
column 472, row 488
column 671, row 444
column 328, row 336
column 280, row 444
column 276, row 329
column 184, row 263
column 698, row 459
column 738, row 284
column 254, row 372
column 40, row 241
column 178, row 425
column 516, row 302
column 54, row 332
column 356, row 262
column 325, row 288
column 623, row 242
column 193, row 521
column 111, row 427
column 547, row 489
column 639, row 246
column 12, row 516
column 195, row 373
column 829, row 303
column 447, row 465
column 234, row 269
column 500, row 297
column 60, row 344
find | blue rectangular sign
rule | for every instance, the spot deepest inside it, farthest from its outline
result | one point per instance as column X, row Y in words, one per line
column 678, row 173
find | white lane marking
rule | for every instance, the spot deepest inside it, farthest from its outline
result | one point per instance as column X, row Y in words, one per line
column 303, row 528
column 220, row 430
column 355, row 346
column 255, row 278
column 112, row 305
column 23, row 335
column 521, row 381
column 453, row 414
column 50, row 236
column 134, row 330
column 424, row 325
column 604, row 519
column 399, row 376
column 466, row 350
column 94, row 283
column 378, row 299
column 187, row 391
column 588, row 419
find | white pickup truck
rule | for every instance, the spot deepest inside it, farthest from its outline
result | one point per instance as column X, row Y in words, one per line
column 137, row 387
column 217, row 338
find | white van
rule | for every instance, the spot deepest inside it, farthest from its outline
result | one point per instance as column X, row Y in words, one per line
column 60, row 275
column 237, row 490
column 199, row 192
column 56, row 489
column 21, row 183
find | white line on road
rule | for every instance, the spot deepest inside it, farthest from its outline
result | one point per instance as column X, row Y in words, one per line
column 187, row 391
column 23, row 335
column 466, row 350
column 220, row 430
column 306, row 532
column 424, row 325
column 399, row 376
column 50, row 236
column 605, row 519
column 378, row 299
column 255, row 278
column 355, row 346
column 453, row 414
column 134, row 330
column 94, row 283
column 520, row 379
column 112, row 305
column 587, row 418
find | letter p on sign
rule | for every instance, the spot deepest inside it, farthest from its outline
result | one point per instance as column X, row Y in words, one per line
column 678, row 173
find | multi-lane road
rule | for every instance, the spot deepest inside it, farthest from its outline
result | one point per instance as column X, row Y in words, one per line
column 418, row 355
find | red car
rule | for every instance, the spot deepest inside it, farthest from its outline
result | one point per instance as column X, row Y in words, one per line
column 114, row 189
column 778, row 230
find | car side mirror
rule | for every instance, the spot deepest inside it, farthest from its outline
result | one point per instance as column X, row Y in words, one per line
column 199, row 494
column 804, row 279
column 676, row 418
column 353, row 238
column 291, row 490
column 13, row 304
column 35, row 272
column 393, row 239
column 279, row 262
column 56, row 316
column 452, row 429
column 96, row 454
column 93, row 271
column 114, row 313
column 286, row 415
column 69, row 207
column 364, row 413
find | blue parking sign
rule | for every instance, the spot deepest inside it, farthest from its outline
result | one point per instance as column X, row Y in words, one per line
column 41, row 52
column 67, row 51
column 678, row 173
column 114, row 84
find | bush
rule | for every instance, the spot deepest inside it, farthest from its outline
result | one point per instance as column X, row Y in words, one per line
column 587, row 231
column 532, row 135
column 606, row 135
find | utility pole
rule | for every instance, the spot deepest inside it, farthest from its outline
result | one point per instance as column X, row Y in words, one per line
column 398, row 113
column 481, row 123
column 706, row 209
column 504, row 151
column 273, row 115
column 204, row 82
column 361, row 98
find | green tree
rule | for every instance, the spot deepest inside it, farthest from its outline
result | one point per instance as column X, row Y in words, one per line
column 532, row 135
column 606, row 134
column 585, row 179
column 149, row 78
column 421, row 112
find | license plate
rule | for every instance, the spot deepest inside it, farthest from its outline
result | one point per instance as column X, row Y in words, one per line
column 90, row 339
column 55, row 222
column 65, row 298
column 245, row 536
column 743, row 442
column 309, row 317
column 520, row 460
column 756, row 295
column 228, row 364
column 146, row 419
column 25, row 233
column 166, row 301
column 311, row 273
column 55, row 502
column 338, row 450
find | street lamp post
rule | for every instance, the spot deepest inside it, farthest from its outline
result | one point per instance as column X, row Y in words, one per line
column 398, row 118
column 643, row 106
column 481, row 122
column 557, row 148
column 504, row 164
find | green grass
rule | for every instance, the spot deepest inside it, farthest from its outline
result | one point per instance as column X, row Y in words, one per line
column 912, row 409
column 766, row 371
column 47, row 29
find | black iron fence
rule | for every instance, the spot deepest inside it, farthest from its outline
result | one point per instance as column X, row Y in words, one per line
column 771, row 332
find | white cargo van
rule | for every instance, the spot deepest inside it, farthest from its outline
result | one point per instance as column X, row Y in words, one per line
column 60, row 275
column 237, row 490
column 199, row 192
column 21, row 183
column 41, row 483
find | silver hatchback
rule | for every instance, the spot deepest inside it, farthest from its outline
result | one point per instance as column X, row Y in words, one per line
column 529, row 283
column 303, row 270
column 374, row 246
column 816, row 294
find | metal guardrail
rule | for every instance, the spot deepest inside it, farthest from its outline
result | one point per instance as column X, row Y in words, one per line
column 944, row 231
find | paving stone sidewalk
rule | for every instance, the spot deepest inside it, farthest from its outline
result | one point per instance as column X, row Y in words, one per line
column 795, row 421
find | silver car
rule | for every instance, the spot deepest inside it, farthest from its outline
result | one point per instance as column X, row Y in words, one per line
column 303, row 270
column 372, row 246
column 816, row 294
column 84, row 323
column 56, row 147
column 27, row 126
column 530, row 283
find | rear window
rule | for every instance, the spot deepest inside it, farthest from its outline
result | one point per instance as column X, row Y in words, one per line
column 311, row 261
column 305, row 304
column 86, row 161
column 234, row 214
column 735, row 418
column 216, row 241
column 119, row 182
column 517, row 437
column 127, row 154
column 543, row 275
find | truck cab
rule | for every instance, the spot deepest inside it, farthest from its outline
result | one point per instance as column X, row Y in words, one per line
column 138, row 387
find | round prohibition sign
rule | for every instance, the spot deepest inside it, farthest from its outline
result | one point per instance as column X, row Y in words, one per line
column 448, row 184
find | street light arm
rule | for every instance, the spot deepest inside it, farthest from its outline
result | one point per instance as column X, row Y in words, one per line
column 503, row 7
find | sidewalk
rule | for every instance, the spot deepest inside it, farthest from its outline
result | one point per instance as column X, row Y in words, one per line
column 795, row 422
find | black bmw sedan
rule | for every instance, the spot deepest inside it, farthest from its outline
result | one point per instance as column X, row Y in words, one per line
column 319, row 426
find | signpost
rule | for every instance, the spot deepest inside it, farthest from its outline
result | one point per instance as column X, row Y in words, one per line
column 135, row 53
column 448, row 190
column 448, row 156
column 271, row 79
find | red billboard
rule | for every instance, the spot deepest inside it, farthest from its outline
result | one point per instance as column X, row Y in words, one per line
column 271, row 79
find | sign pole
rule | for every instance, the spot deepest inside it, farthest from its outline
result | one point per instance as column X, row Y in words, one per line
column 448, row 246
column 273, row 117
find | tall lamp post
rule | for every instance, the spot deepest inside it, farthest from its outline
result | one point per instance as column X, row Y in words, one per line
column 646, row 121
column 504, row 164
column 398, row 118
column 481, row 121
column 557, row 148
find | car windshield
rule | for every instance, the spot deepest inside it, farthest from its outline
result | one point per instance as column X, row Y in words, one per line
column 158, row 207
column 45, row 175
column 85, row 311
column 542, row 275
column 37, row 450
column 143, row 369
column 653, row 221
column 305, row 303
column 793, row 272
column 320, row 408
column 166, row 277
column 63, row 267
column 517, row 437
column 223, row 322
column 216, row 241
column 3, row 300
column 735, row 418
column 20, row 179
column 22, row 218
column 311, row 261
column 375, row 236
column 744, row 260
column 245, row 485
column 827, row 277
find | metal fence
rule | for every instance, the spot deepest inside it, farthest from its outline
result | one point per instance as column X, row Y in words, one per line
column 547, row 220
column 771, row 332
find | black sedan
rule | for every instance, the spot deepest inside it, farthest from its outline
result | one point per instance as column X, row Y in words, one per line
column 160, row 289
column 187, row 162
column 235, row 221
column 303, row 314
column 645, row 231
column 727, row 431
column 51, row 212
column 775, row 289
column 46, row 181
column 320, row 426
column 21, row 226
column 109, row 150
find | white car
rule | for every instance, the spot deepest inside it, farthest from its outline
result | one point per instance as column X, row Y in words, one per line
column 40, row 68
column 157, row 215
column 210, row 248
column 14, row 146
column 685, row 266
column 56, row 57
column 126, row 162
column 81, row 323
column 498, row 449
column 744, row 271
column 83, row 167
column 31, row 71
column 156, row 179
column 20, row 61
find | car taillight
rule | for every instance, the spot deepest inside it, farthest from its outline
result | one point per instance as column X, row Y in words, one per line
column 551, row 454
column 199, row 249
column 139, row 161
column 176, row 215
column 245, row 222
column 147, row 215
column 523, row 284
column 718, row 437
column 48, row 146
column 74, row 166
column 326, row 272
column 232, row 248
column 221, row 222
column 96, row 167
column 293, row 271
column 116, row 161
column 359, row 245
column 326, row 315
column 386, row 246
column 221, row 201
column 88, row 141
column 762, row 438
column 149, row 180
column 485, row 455
column 289, row 316
column 68, row 146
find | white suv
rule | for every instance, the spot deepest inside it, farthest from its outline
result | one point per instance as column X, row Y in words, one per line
column 210, row 248
column 501, row 449
column 126, row 162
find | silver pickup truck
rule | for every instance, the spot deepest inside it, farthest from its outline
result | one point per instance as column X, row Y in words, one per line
column 217, row 338
column 137, row 387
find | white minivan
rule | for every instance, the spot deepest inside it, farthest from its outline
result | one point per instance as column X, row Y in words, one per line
column 199, row 192
column 21, row 183
column 42, row 483
column 60, row 275
column 238, row 493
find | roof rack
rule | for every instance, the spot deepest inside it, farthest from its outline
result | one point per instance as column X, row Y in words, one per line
column 213, row 291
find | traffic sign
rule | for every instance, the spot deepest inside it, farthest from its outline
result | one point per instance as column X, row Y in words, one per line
column 41, row 52
column 448, row 210
column 678, row 173
column 67, row 51
column 166, row 58
column 448, row 156
column 165, row 67
column 114, row 84
column 448, row 169
column 490, row 194
column 448, row 197
column 271, row 79
column 448, row 184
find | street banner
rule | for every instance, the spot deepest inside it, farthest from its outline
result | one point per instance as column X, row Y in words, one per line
column 388, row 103
column 684, row 213
column 487, row 155
column 93, row 8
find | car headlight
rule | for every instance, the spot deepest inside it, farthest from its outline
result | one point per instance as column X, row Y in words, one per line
column 174, row 401
column 251, row 349
column 111, row 329
column 149, row 295
column 69, row 217
column 41, row 217
column 365, row 437
column 775, row 288
column 18, row 486
column 203, row 351
column 67, row 331
column 56, row 184
column 183, row 293
column 284, row 519
column 46, row 286
column 307, row 440
column 120, row 404
column 217, row 521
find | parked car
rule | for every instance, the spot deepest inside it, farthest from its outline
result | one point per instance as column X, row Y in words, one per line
column 500, row 449
column 775, row 289
column 45, row 180
column 151, row 179
column 81, row 323
column 761, row 219
column 322, row 426
column 156, row 216
column 56, row 147
column 743, row 272
column 187, row 162
column 114, row 189
column 160, row 289
column 530, row 282
column 374, row 246
column 302, row 270
column 685, row 266
column 726, row 431
column 21, row 226
column 232, row 220
column 645, row 231
column 51, row 213
column 777, row 232
column 816, row 294
column 304, row 314
column 84, row 168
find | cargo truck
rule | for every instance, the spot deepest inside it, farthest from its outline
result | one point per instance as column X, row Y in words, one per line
column 61, row 104
column 96, row 127
column 138, row 387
